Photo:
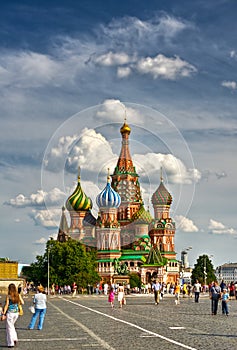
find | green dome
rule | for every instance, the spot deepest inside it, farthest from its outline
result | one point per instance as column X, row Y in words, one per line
column 78, row 201
column 142, row 216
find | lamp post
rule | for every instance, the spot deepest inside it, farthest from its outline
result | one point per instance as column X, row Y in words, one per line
column 184, row 262
column 51, row 238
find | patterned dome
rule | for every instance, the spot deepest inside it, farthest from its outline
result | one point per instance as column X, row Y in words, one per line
column 78, row 201
column 142, row 216
column 161, row 196
column 108, row 197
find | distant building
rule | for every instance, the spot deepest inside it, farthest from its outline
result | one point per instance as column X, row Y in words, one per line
column 227, row 272
column 8, row 274
column 126, row 236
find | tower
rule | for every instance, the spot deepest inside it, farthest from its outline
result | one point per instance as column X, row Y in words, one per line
column 162, row 234
column 108, row 230
column 125, row 182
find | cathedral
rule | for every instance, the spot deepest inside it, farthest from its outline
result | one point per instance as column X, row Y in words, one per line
column 126, row 236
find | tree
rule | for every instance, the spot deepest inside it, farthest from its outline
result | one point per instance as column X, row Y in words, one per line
column 135, row 280
column 67, row 262
column 203, row 265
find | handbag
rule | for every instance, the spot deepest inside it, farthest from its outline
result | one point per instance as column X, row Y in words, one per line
column 20, row 310
column 32, row 309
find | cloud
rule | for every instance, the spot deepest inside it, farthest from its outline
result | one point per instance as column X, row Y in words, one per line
column 216, row 227
column 113, row 59
column 123, row 72
column 174, row 168
column 165, row 68
column 47, row 218
column 134, row 32
column 229, row 85
column 28, row 69
column 233, row 54
column 111, row 110
column 38, row 199
column 41, row 241
column 184, row 224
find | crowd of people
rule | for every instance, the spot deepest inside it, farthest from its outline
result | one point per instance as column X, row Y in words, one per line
column 10, row 311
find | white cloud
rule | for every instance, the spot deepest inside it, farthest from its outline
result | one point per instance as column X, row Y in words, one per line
column 233, row 54
column 123, row 72
column 28, row 69
column 165, row 68
column 49, row 219
column 184, row 224
column 112, row 110
column 53, row 197
column 113, row 59
column 41, row 241
column 232, row 85
column 92, row 151
column 139, row 33
column 174, row 168
column 216, row 227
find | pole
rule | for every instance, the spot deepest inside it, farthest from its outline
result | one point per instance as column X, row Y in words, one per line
column 205, row 272
column 48, row 269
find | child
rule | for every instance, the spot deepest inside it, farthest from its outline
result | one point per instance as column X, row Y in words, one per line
column 224, row 301
column 111, row 297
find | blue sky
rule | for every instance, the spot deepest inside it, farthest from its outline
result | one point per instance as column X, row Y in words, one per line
column 68, row 72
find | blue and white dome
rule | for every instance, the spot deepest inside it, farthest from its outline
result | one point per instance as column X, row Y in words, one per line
column 108, row 197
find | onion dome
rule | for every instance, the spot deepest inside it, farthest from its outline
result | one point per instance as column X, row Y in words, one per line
column 108, row 197
column 125, row 128
column 142, row 216
column 78, row 201
column 161, row 195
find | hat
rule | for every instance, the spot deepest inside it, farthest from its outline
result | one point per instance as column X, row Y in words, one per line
column 224, row 288
column 41, row 289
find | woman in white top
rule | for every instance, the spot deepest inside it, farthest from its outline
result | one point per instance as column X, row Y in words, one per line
column 11, row 313
column 120, row 295
column 40, row 308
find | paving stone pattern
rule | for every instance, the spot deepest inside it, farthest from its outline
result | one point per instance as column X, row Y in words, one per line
column 88, row 322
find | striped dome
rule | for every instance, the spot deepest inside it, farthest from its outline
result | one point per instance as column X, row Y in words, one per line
column 108, row 197
column 78, row 201
column 161, row 196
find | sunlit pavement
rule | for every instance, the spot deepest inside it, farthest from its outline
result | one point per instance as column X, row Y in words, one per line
column 87, row 321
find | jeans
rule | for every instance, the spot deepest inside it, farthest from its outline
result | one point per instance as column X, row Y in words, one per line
column 225, row 307
column 196, row 294
column 38, row 312
column 214, row 305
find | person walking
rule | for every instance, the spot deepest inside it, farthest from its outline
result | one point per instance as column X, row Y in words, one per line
column 156, row 288
column 111, row 297
column 74, row 289
column 11, row 312
column 224, row 302
column 120, row 295
column 39, row 301
column 177, row 293
column 197, row 289
column 215, row 295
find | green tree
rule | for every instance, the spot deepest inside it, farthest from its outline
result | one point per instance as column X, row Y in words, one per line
column 67, row 262
column 203, row 265
column 135, row 280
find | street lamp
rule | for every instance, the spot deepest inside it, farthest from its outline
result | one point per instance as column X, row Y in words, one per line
column 184, row 257
column 51, row 238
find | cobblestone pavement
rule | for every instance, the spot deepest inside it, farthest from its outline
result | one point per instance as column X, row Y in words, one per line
column 88, row 322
